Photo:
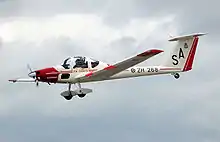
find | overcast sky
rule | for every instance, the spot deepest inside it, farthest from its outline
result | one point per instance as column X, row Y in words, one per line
column 45, row 32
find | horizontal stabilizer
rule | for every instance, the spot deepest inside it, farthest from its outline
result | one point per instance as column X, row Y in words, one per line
column 185, row 37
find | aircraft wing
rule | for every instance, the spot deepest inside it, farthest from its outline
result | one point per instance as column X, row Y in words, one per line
column 22, row 80
column 118, row 67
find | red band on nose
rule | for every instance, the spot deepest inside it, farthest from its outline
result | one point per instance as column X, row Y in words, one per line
column 48, row 75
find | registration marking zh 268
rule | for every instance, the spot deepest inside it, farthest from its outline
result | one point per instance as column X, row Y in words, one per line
column 141, row 70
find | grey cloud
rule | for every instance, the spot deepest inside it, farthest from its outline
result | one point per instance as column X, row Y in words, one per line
column 148, row 115
column 192, row 16
column 123, row 48
column 153, row 108
column 163, row 109
column 47, row 8
column 9, row 8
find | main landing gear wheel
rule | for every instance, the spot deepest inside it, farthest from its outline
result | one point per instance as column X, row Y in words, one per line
column 177, row 75
column 80, row 92
column 68, row 97
column 81, row 95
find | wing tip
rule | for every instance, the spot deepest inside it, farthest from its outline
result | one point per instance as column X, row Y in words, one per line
column 150, row 52
column 12, row 80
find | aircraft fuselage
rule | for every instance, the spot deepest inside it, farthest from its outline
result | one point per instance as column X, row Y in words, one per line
column 70, row 76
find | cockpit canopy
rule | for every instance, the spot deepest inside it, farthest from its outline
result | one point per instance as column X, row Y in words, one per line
column 79, row 62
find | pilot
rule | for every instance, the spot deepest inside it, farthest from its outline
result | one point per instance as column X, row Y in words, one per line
column 80, row 62
column 68, row 63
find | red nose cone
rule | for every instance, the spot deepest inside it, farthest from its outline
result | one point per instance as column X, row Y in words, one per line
column 47, row 75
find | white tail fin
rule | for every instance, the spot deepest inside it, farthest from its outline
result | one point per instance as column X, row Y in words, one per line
column 182, row 55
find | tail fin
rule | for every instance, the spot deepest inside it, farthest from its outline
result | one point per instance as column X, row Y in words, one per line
column 183, row 54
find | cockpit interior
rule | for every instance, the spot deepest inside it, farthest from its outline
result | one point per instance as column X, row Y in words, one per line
column 79, row 62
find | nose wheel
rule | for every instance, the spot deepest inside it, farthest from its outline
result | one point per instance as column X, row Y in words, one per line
column 80, row 92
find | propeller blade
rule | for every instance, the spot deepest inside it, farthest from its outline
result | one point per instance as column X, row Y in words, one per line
column 29, row 68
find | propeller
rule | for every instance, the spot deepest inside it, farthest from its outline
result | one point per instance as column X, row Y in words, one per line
column 32, row 74
column 29, row 67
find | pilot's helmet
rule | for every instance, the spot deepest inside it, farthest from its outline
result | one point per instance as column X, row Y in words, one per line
column 69, row 62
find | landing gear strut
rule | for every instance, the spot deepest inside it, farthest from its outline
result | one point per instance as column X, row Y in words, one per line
column 80, row 92
column 69, row 96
